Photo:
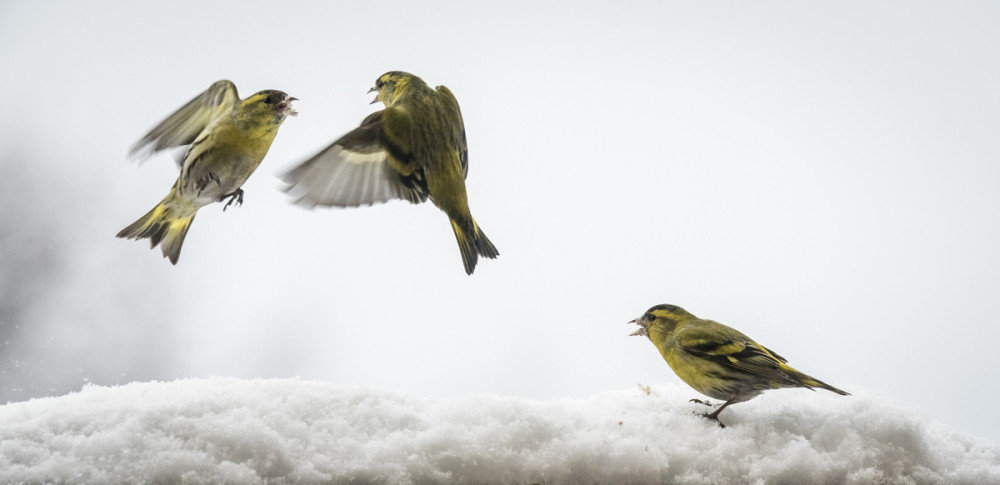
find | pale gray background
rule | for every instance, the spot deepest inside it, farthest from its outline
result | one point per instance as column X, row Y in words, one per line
column 823, row 177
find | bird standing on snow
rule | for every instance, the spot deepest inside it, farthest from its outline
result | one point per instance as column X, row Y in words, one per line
column 716, row 360
column 413, row 149
column 228, row 139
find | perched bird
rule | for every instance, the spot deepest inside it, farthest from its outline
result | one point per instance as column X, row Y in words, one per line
column 413, row 149
column 227, row 139
column 716, row 360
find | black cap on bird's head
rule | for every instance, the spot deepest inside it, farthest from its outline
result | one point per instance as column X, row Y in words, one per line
column 279, row 101
column 387, row 83
column 664, row 311
column 394, row 77
column 667, row 308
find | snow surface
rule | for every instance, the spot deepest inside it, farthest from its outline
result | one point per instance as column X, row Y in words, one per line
column 222, row 430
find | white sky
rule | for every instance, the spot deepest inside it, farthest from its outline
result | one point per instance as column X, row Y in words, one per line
column 822, row 177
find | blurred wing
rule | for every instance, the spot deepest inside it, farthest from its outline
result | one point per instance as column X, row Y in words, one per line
column 458, row 129
column 183, row 127
column 733, row 350
column 355, row 170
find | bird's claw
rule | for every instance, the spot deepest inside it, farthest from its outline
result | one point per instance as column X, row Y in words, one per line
column 713, row 417
column 233, row 197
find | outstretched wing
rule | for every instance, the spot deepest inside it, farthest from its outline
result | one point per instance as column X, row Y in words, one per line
column 356, row 170
column 183, row 126
column 734, row 350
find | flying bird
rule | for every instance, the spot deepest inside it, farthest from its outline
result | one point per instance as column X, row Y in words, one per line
column 226, row 140
column 413, row 149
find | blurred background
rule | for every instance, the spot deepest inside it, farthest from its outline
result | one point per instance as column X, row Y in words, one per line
column 823, row 177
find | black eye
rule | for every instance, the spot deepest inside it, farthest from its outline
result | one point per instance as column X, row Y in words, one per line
column 269, row 99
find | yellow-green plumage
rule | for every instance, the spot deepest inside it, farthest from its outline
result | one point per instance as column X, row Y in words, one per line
column 228, row 139
column 166, row 225
column 716, row 360
column 414, row 149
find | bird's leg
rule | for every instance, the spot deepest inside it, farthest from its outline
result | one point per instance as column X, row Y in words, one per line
column 233, row 197
column 715, row 414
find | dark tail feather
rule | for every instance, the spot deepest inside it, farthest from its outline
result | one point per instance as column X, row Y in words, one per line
column 472, row 246
column 811, row 382
column 163, row 226
column 484, row 247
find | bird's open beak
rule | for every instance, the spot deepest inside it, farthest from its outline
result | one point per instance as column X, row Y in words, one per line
column 287, row 106
column 374, row 90
column 643, row 325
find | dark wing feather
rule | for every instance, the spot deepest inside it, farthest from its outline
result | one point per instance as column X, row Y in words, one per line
column 734, row 350
column 183, row 126
column 355, row 170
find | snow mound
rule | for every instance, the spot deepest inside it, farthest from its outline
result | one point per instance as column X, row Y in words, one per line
column 222, row 430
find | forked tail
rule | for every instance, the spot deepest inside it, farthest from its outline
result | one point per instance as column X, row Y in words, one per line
column 166, row 225
column 473, row 243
